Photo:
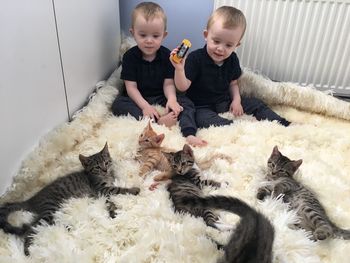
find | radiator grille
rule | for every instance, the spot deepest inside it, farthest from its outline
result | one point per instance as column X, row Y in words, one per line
column 301, row 41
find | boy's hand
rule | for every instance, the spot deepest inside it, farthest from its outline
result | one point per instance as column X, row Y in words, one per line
column 173, row 105
column 177, row 66
column 236, row 108
column 150, row 111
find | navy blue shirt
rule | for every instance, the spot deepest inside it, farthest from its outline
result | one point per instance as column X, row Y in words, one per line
column 149, row 76
column 209, row 82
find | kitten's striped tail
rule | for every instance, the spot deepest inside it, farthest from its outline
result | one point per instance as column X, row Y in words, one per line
column 5, row 210
column 253, row 237
column 227, row 203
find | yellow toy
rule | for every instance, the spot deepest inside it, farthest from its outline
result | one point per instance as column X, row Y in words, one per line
column 184, row 47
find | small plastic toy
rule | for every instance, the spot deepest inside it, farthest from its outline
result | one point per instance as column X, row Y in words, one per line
column 184, row 47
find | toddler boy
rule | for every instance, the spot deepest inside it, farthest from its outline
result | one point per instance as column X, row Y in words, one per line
column 210, row 74
column 148, row 76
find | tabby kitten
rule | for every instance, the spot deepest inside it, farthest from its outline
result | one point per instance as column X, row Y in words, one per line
column 186, row 182
column 151, row 155
column 96, row 179
column 311, row 214
column 252, row 239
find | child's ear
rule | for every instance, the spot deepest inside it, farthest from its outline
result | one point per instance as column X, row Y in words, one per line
column 205, row 34
column 165, row 34
column 239, row 43
column 131, row 31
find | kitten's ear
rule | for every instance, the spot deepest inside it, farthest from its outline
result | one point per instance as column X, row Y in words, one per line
column 160, row 138
column 275, row 151
column 83, row 159
column 149, row 127
column 296, row 164
column 169, row 156
column 188, row 150
column 105, row 148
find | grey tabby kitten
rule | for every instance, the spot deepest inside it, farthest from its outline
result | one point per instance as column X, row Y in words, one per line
column 252, row 239
column 311, row 214
column 96, row 179
column 186, row 182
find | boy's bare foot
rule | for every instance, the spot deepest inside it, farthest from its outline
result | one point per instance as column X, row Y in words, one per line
column 195, row 141
column 168, row 119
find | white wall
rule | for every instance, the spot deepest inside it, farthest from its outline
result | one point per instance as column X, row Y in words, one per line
column 89, row 36
column 186, row 19
column 32, row 84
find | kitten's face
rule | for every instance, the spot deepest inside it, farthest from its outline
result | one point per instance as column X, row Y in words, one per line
column 149, row 138
column 182, row 161
column 281, row 166
column 99, row 164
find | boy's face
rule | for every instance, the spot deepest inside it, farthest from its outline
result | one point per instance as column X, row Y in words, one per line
column 148, row 35
column 221, row 42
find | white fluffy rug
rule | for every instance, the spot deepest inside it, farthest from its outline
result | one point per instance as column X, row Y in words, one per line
column 146, row 229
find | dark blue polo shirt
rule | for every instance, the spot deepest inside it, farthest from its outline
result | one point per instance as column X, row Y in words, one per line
column 149, row 76
column 210, row 82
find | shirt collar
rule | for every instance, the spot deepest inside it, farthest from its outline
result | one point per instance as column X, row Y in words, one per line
column 138, row 53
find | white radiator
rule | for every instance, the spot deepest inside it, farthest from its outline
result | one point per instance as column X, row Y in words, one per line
column 301, row 41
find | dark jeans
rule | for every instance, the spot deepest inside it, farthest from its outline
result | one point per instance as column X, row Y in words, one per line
column 208, row 115
column 123, row 105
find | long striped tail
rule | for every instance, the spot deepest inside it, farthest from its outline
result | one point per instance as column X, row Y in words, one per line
column 5, row 210
column 253, row 237
column 227, row 203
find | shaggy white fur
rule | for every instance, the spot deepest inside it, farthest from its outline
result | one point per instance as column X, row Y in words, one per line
column 146, row 229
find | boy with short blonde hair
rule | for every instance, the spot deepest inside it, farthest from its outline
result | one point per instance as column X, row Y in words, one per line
column 230, row 17
column 148, row 76
column 149, row 11
column 210, row 74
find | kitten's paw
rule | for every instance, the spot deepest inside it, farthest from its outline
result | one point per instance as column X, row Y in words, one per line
column 224, row 184
column 68, row 228
column 112, row 214
column 321, row 234
column 261, row 194
column 143, row 175
column 134, row 190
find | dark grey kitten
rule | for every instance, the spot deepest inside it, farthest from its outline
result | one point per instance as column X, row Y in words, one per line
column 95, row 180
column 186, row 182
column 252, row 239
column 311, row 214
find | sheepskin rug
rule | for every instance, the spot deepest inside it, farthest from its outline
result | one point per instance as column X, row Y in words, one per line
column 146, row 228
